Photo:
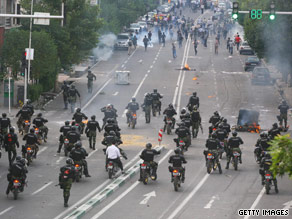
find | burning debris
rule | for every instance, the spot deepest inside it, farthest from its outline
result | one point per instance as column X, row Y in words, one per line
column 248, row 121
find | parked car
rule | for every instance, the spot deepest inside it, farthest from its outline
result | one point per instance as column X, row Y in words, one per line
column 134, row 27
column 251, row 62
column 261, row 75
column 122, row 41
column 143, row 24
column 245, row 49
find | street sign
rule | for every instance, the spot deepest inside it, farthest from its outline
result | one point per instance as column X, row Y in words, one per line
column 29, row 54
column 93, row 2
column 41, row 21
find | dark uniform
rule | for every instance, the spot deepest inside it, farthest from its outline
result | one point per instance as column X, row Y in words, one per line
column 109, row 112
column 213, row 146
column 196, row 122
column 261, row 145
column 78, row 155
column 64, row 130
column 10, row 143
column 184, row 134
column 90, row 131
column 73, row 136
column 148, row 101
column 274, row 132
column 265, row 165
column 177, row 160
column 39, row 122
column 169, row 112
column 78, row 117
column 147, row 155
column 5, row 125
column 31, row 140
column 221, row 134
column 233, row 145
column 25, row 114
column 90, row 78
column 132, row 107
column 187, row 120
column 156, row 100
column 16, row 170
column 111, row 126
column 193, row 101
column 283, row 113
column 66, row 177
column 65, row 88
column 72, row 97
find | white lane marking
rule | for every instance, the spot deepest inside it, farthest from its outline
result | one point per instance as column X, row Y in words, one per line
column 124, row 113
column 87, row 104
column 256, row 201
column 116, row 93
column 7, row 209
column 287, row 205
column 185, row 201
column 155, row 59
column 148, row 71
column 59, row 160
column 209, row 205
column 91, row 153
column 112, row 203
column 42, row 188
column 140, row 85
column 122, row 65
column 42, row 150
column 95, row 190
column 147, row 197
column 151, row 66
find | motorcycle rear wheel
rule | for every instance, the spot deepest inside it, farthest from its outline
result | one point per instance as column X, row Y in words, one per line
column 168, row 128
column 15, row 194
column 145, row 180
column 267, row 186
column 235, row 163
column 175, row 184
column 209, row 166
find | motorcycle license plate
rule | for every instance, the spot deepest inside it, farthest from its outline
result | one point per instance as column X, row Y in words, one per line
column 143, row 167
column 29, row 151
column 66, row 142
column 268, row 177
column 110, row 167
column 27, row 123
column 169, row 121
column 134, row 116
column 222, row 143
column 77, row 168
column 36, row 132
column 16, row 183
column 175, row 174
column 236, row 154
column 210, row 156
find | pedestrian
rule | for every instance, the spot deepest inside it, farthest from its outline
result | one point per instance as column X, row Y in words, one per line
column 173, row 51
column 145, row 41
column 237, row 41
column 130, row 43
column 231, row 44
column 171, row 33
column 228, row 41
column 216, row 46
column 72, row 97
column 65, row 88
column 180, row 39
column 135, row 41
column 90, row 78
column 163, row 36
column 159, row 36
column 196, row 42
column 149, row 35
column 202, row 8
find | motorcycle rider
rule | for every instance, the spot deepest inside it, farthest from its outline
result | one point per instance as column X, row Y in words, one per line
column 78, row 117
column 64, row 130
column 177, row 160
column 79, row 154
column 66, row 177
column 193, row 101
column 31, row 140
column 147, row 155
column 110, row 138
column 113, row 154
column 233, row 144
column 90, row 78
column 5, row 124
column 213, row 146
column 112, row 126
column 132, row 107
column 156, row 99
column 148, row 101
column 226, row 126
column 196, row 121
column 214, row 120
column 10, row 143
column 283, row 113
column 65, row 88
column 261, row 145
column 73, row 136
column 72, row 97
column 187, row 120
column 25, row 114
column 265, row 164
column 90, row 131
column 30, row 107
column 17, row 170
column 183, row 134
column 39, row 122
column 273, row 132
column 109, row 112
column 221, row 134
column 169, row 112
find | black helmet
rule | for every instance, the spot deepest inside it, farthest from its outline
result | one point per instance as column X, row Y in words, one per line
column 284, row 102
column 195, row 108
column 170, row 105
column 40, row 115
column 195, row 94
column 216, row 113
column 155, row 90
column 93, row 117
column 214, row 135
column 78, row 144
column 69, row 161
column 113, row 133
column 31, row 130
column 73, row 128
column 187, row 114
column 262, row 134
column 224, row 120
column 11, row 129
column 234, row 133
column 72, row 86
column 182, row 124
column 183, row 111
column 28, row 101
column 133, row 99
column 275, row 125
column 18, row 158
column 89, row 71
column 67, row 123
column 177, row 151
column 148, row 145
column 4, row 115
column 220, row 126
column 22, row 161
column 78, row 110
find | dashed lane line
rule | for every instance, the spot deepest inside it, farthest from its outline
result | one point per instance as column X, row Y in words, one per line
column 6, row 210
column 42, row 188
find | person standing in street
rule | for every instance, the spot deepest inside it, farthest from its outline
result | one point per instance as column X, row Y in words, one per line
column 163, row 36
column 283, row 113
column 231, row 44
column 130, row 43
column 202, row 8
column 216, row 46
column 173, row 51
column 135, row 41
column 159, row 36
column 91, row 128
column 65, row 88
column 145, row 41
column 72, row 97
column 90, row 78
column 196, row 46
column 149, row 35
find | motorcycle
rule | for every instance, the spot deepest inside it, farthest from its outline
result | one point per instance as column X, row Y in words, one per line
column 180, row 144
column 147, row 114
column 270, row 181
column 16, row 188
column 155, row 108
column 257, row 154
column 25, row 125
column 176, row 176
column 29, row 152
column 39, row 134
column 67, row 146
column 145, row 169
column 112, row 168
column 234, row 159
column 221, row 151
column 168, row 125
column 78, row 170
column 212, row 163
column 133, row 120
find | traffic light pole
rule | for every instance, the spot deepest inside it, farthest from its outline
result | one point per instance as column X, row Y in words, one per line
column 29, row 50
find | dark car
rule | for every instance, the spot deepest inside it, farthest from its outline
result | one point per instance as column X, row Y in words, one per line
column 261, row 75
column 251, row 62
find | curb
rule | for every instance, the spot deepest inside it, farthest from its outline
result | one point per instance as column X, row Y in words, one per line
column 108, row 190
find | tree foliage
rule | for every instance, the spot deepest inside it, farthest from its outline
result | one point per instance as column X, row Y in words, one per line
column 281, row 151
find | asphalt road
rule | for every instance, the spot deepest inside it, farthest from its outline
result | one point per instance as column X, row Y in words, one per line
column 221, row 84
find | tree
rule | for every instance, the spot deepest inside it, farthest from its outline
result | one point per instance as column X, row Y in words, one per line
column 281, row 152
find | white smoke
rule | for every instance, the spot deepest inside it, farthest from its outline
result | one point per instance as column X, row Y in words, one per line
column 105, row 47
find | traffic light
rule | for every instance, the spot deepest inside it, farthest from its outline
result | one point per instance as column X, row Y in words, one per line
column 272, row 15
column 235, row 10
column 23, row 63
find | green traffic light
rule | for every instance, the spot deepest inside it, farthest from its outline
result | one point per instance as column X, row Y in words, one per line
column 235, row 16
column 272, row 17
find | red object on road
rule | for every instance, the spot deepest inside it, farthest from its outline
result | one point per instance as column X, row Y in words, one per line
column 160, row 135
